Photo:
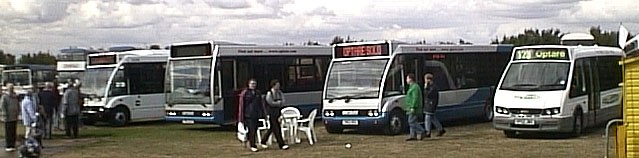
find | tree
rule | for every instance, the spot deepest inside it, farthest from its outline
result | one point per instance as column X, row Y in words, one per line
column 337, row 40
column 7, row 59
column 38, row 58
column 532, row 37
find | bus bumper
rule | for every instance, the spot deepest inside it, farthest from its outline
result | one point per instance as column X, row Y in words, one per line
column 540, row 124
column 95, row 114
column 216, row 117
column 363, row 122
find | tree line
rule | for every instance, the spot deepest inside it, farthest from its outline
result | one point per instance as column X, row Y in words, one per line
column 29, row 58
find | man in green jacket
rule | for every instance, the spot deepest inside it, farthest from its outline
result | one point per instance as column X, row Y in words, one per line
column 10, row 109
column 414, row 108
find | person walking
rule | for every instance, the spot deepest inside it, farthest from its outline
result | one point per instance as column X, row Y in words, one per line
column 70, row 110
column 251, row 109
column 10, row 110
column 431, row 100
column 414, row 108
column 275, row 101
column 50, row 101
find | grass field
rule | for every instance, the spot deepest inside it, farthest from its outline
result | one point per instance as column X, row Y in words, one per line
column 159, row 139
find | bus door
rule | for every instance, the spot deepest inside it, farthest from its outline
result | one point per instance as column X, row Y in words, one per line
column 592, row 89
column 227, row 72
column 146, row 89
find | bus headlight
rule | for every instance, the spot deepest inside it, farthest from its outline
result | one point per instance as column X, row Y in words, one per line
column 206, row 114
column 501, row 110
column 373, row 113
column 551, row 111
column 329, row 113
column 171, row 113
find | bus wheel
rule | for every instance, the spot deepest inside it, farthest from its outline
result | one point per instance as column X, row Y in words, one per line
column 577, row 126
column 488, row 112
column 510, row 134
column 330, row 129
column 119, row 117
column 395, row 123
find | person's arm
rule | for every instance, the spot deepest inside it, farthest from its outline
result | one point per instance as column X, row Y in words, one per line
column 64, row 103
column 269, row 98
column 282, row 100
column 410, row 99
column 436, row 96
column 240, row 112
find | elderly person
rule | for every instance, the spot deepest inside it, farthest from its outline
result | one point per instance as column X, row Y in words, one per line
column 10, row 110
column 70, row 110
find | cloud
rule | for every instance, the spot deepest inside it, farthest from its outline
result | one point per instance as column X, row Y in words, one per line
column 33, row 25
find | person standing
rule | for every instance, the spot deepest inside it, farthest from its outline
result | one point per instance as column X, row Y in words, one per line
column 414, row 108
column 70, row 110
column 28, row 106
column 50, row 101
column 275, row 101
column 251, row 109
column 10, row 110
column 431, row 100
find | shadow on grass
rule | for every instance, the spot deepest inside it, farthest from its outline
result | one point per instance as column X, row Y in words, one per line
column 132, row 124
column 212, row 128
column 592, row 131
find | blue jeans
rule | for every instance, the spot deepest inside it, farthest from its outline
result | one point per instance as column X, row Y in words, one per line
column 431, row 120
column 415, row 126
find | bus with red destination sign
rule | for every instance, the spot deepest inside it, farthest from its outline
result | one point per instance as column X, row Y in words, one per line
column 365, row 85
column 204, row 78
column 557, row 88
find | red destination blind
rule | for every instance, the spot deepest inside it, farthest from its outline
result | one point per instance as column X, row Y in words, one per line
column 361, row 51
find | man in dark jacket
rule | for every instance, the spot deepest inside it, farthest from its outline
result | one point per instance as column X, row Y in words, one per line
column 49, row 100
column 251, row 109
column 10, row 110
column 431, row 100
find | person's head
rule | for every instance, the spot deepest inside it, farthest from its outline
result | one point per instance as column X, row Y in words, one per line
column 10, row 88
column 428, row 78
column 48, row 85
column 252, row 84
column 77, row 83
column 275, row 84
column 410, row 78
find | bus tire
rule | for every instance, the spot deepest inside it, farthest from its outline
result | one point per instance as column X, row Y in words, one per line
column 119, row 117
column 334, row 130
column 578, row 123
column 510, row 133
column 488, row 112
column 396, row 123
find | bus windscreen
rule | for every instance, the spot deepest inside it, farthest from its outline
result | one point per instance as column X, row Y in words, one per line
column 541, row 54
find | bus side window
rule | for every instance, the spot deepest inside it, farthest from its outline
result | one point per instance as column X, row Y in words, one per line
column 577, row 87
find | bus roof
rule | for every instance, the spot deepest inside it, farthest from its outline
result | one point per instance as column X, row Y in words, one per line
column 419, row 48
column 77, row 51
column 209, row 42
column 576, row 52
column 135, row 52
column 231, row 50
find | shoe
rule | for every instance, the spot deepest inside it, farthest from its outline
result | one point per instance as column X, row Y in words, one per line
column 441, row 133
column 254, row 149
column 284, row 147
column 264, row 146
column 10, row 149
column 411, row 139
column 426, row 135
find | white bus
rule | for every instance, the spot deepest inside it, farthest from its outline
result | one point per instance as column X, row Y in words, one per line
column 71, row 65
column 26, row 76
column 366, row 82
column 194, row 66
column 121, row 87
column 555, row 88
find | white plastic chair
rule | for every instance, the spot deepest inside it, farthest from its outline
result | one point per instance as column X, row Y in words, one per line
column 289, row 123
column 309, row 129
column 264, row 126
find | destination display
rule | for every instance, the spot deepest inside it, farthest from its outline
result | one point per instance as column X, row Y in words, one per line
column 191, row 50
column 102, row 60
column 361, row 50
column 541, row 54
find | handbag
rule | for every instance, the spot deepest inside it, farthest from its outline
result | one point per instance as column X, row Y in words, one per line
column 241, row 132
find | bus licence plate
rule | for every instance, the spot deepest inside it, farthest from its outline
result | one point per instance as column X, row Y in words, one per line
column 187, row 113
column 350, row 122
column 188, row 121
column 524, row 122
column 350, row 112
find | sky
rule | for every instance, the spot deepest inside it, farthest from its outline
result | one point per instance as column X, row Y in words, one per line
column 50, row 25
